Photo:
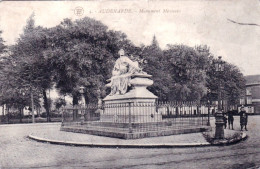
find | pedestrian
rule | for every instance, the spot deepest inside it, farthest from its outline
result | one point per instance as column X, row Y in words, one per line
column 225, row 119
column 213, row 112
column 243, row 118
column 230, row 119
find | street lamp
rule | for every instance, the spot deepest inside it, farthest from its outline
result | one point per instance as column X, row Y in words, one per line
column 22, row 111
column 81, row 91
column 219, row 133
column 208, row 96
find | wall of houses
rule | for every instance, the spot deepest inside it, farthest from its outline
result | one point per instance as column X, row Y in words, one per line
column 251, row 100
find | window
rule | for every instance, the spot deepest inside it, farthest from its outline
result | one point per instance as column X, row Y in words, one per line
column 242, row 101
column 248, row 91
column 249, row 100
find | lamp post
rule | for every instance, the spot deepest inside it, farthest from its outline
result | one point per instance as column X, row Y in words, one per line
column 219, row 133
column 32, row 104
column 82, row 118
column 21, row 111
column 208, row 94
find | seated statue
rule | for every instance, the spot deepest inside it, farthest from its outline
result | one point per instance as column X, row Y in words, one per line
column 121, row 74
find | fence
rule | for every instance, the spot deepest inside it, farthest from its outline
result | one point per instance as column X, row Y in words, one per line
column 138, row 117
column 14, row 118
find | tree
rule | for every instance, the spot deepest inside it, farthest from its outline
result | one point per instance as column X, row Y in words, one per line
column 82, row 53
column 28, row 53
column 232, row 83
column 12, row 94
column 185, row 68
column 2, row 45
column 155, row 65
column 59, row 103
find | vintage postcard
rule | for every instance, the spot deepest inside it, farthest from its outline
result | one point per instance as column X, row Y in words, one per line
column 130, row 84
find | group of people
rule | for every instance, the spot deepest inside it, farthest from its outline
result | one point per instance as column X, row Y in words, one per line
column 228, row 117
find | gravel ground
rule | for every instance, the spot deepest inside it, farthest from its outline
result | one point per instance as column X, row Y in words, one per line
column 16, row 151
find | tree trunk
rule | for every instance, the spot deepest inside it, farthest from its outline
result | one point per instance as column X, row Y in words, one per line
column 3, row 110
column 46, row 105
column 86, row 100
column 7, row 113
column 86, row 111
column 32, row 105
column 75, row 101
column 3, row 113
column 38, row 112
column 21, row 117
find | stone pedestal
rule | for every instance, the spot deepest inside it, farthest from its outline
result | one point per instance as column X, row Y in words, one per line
column 138, row 103
column 219, row 133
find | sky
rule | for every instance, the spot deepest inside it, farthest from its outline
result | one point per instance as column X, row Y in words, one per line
column 189, row 22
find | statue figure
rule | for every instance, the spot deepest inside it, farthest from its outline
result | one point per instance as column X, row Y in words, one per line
column 129, row 85
column 121, row 74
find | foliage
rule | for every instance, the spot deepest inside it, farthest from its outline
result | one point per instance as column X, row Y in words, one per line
column 2, row 45
column 59, row 103
column 155, row 64
column 231, row 80
column 82, row 53
column 234, row 84
column 229, row 138
column 179, row 72
column 187, row 67
column 10, row 94
column 29, row 70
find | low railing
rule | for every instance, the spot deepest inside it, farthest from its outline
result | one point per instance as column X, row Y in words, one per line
column 135, row 117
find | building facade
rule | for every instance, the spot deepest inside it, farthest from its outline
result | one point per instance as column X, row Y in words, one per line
column 251, row 100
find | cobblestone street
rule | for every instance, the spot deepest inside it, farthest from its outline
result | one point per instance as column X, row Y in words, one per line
column 19, row 152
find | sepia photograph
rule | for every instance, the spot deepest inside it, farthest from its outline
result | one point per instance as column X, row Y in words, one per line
column 114, row 84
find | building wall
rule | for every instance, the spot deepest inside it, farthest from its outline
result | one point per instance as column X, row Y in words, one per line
column 255, row 91
column 251, row 99
column 256, row 98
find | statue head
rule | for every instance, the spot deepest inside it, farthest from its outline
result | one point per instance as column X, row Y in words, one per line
column 121, row 52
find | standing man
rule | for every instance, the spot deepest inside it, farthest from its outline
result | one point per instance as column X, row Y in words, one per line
column 243, row 118
column 230, row 119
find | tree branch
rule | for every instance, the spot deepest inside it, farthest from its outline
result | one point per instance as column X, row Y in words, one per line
column 250, row 24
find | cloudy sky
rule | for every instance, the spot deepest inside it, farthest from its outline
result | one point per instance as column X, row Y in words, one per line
column 186, row 22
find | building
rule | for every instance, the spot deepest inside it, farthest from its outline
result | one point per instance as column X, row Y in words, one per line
column 251, row 101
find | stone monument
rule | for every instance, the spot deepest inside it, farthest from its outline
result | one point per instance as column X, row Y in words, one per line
column 130, row 110
column 129, row 89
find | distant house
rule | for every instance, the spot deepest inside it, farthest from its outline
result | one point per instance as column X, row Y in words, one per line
column 251, row 100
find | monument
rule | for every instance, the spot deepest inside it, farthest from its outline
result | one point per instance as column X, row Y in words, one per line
column 130, row 110
column 129, row 88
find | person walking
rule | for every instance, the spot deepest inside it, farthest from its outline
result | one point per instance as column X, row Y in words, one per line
column 243, row 118
column 230, row 119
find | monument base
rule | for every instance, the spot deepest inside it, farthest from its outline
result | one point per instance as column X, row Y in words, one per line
column 135, row 106
column 130, row 110
column 117, row 130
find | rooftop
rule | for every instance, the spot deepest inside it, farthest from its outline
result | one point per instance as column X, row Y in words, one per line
column 252, row 79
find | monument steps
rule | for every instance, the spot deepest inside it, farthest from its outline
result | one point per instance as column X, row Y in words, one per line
column 123, row 133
